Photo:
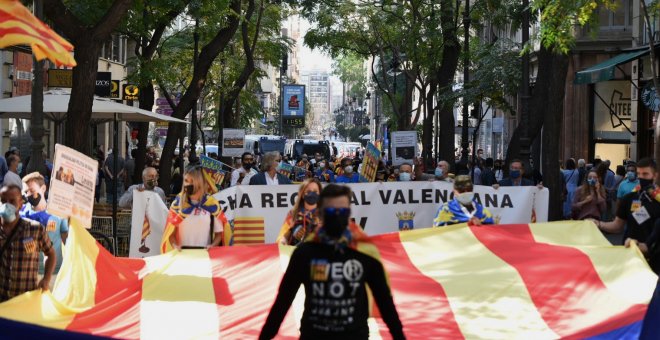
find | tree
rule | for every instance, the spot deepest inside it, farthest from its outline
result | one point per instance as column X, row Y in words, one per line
column 557, row 19
column 653, row 8
column 231, row 14
column 146, row 26
column 87, row 25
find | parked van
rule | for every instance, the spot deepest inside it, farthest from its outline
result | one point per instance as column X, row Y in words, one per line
column 261, row 144
column 295, row 148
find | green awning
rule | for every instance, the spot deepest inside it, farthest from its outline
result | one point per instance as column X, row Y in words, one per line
column 605, row 71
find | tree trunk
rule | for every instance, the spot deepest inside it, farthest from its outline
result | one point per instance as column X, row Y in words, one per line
column 427, row 124
column 79, row 112
column 551, row 94
column 206, row 57
column 146, row 103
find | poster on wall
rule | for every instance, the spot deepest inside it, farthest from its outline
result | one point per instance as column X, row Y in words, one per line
column 71, row 193
column 612, row 110
column 233, row 142
column 293, row 105
column 404, row 147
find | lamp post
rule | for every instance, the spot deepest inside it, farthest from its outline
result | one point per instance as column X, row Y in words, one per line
column 465, row 143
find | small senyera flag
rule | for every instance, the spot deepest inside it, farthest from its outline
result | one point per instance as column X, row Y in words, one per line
column 19, row 27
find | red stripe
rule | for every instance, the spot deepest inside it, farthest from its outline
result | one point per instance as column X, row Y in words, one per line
column 28, row 19
column 239, row 228
column 561, row 281
column 116, row 312
column 246, row 280
column 421, row 301
column 46, row 40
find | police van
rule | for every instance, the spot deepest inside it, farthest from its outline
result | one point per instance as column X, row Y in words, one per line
column 260, row 144
column 295, row 148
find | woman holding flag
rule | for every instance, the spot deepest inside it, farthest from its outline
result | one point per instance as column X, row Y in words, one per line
column 301, row 220
column 195, row 220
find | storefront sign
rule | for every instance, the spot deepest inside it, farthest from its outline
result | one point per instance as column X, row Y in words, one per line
column 131, row 92
column 114, row 89
column 612, row 110
column 103, row 84
column 60, row 78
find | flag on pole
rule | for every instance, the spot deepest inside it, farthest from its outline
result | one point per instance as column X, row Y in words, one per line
column 19, row 27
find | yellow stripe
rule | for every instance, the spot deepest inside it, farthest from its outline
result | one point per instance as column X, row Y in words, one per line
column 239, row 239
column 178, row 291
column 248, row 232
column 619, row 268
column 488, row 297
column 57, row 309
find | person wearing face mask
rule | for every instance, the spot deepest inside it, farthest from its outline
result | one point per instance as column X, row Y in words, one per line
column 35, row 209
column 405, row 172
column 463, row 207
column 348, row 174
column 195, row 219
column 639, row 211
column 515, row 179
column 149, row 182
column 628, row 183
column 243, row 174
column 301, row 220
column 21, row 241
column 323, row 173
column 589, row 200
column 335, row 276
column 269, row 174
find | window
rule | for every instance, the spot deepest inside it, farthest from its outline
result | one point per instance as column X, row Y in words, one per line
column 115, row 49
column 620, row 18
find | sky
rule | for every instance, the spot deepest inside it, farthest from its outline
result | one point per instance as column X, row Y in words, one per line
column 312, row 59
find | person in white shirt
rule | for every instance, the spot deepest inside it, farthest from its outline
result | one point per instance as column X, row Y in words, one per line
column 12, row 177
column 243, row 174
column 203, row 217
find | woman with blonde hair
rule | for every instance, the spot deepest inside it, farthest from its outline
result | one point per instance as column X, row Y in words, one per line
column 590, row 198
column 195, row 220
column 301, row 220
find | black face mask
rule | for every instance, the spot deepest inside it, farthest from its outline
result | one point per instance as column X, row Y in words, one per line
column 311, row 198
column 34, row 201
column 335, row 221
column 190, row 189
column 247, row 166
column 645, row 182
column 150, row 184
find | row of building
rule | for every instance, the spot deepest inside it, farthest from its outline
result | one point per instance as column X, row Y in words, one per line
column 610, row 106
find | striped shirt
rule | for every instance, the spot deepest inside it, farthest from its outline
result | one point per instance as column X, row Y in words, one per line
column 20, row 261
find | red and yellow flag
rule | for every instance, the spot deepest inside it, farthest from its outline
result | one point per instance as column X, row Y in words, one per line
column 531, row 281
column 19, row 27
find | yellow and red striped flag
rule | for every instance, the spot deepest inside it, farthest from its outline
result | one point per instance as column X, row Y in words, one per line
column 19, row 27
column 249, row 230
column 529, row 281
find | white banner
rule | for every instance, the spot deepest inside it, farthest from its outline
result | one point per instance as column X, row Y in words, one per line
column 381, row 207
column 233, row 142
column 149, row 216
column 72, row 185
column 404, row 147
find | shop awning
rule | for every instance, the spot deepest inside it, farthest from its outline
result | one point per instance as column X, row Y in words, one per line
column 605, row 71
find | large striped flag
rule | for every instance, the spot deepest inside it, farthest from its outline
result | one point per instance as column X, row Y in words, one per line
column 537, row 281
column 19, row 27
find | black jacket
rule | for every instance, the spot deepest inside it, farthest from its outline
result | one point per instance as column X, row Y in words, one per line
column 260, row 179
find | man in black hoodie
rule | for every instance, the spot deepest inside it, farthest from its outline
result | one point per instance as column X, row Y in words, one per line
column 334, row 275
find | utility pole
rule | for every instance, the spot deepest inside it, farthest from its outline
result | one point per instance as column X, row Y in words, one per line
column 465, row 142
column 283, row 68
column 37, row 122
column 524, row 93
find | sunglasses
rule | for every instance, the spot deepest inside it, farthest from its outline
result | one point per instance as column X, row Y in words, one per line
column 337, row 211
